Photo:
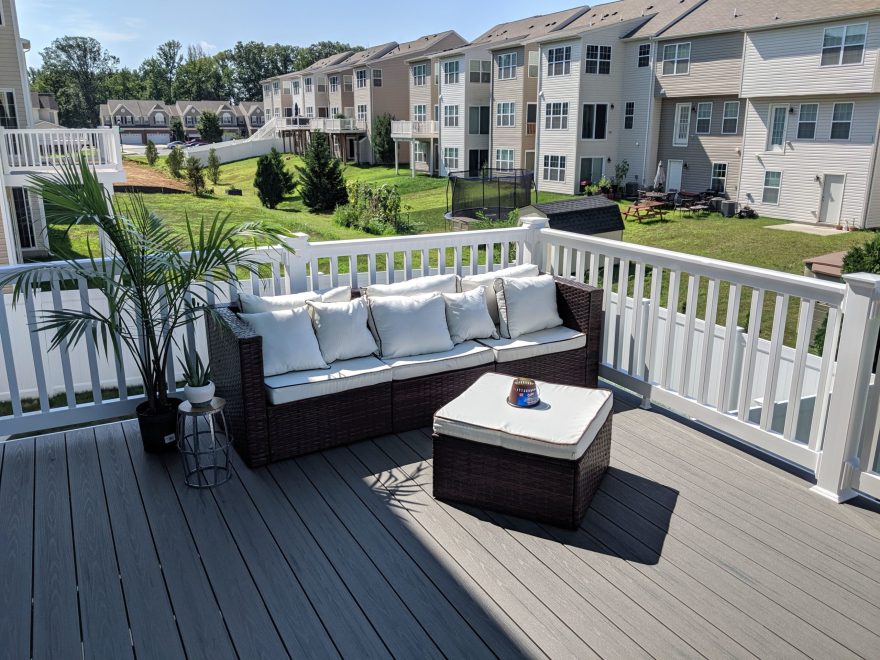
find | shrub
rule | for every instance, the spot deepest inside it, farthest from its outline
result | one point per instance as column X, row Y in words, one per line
column 177, row 132
column 272, row 179
column 620, row 172
column 374, row 209
column 322, row 184
column 195, row 175
column 151, row 153
column 209, row 127
column 175, row 162
column 213, row 167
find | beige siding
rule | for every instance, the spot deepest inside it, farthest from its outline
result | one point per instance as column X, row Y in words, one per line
column 560, row 142
column 636, row 88
column 454, row 94
column 11, row 64
column 702, row 150
column 872, row 214
column 802, row 161
column 787, row 62
column 509, row 137
column 715, row 67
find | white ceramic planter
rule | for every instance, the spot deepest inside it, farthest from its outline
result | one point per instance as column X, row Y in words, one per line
column 199, row 395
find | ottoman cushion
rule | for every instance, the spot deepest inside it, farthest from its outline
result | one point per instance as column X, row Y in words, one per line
column 563, row 426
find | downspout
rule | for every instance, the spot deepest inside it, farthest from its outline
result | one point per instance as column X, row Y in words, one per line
column 742, row 143
column 652, row 86
column 871, row 182
column 441, row 166
column 538, row 120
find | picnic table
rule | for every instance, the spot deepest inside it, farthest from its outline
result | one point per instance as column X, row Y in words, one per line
column 645, row 211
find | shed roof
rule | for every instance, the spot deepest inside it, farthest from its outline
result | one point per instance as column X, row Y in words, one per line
column 583, row 215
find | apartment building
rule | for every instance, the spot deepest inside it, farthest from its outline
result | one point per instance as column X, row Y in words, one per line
column 44, row 109
column 139, row 121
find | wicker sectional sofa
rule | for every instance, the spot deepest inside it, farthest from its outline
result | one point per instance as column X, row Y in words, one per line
column 289, row 415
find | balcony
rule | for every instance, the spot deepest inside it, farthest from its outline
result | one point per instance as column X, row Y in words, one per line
column 339, row 125
column 694, row 544
column 38, row 151
column 413, row 130
column 294, row 123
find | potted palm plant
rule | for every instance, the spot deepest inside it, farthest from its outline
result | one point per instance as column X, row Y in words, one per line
column 154, row 281
column 198, row 386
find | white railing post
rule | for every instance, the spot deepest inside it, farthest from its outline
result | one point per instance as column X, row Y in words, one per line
column 838, row 467
column 4, row 151
column 534, row 249
column 296, row 262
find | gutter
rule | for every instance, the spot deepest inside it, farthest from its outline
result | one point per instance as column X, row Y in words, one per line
column 652, row 85
column 871, row 172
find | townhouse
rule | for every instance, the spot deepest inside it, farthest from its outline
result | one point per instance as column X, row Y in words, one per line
column 139, row 121
column 44, row 109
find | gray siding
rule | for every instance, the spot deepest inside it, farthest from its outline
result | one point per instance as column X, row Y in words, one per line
column 522, row 90
column 702, row 150
column 715, row 67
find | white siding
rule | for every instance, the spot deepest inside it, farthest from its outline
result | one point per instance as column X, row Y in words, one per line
column 786, row 62
column 803, row 160
column 453, row 94
column 559, row 142
column 637, row 86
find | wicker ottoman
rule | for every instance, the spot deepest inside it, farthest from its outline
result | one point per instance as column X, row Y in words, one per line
column 542, row 463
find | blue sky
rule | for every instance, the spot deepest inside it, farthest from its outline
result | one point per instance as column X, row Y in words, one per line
column 132, row 30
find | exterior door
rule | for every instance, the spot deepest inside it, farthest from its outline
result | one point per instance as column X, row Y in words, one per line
column 530, row 161
column 673, row 174
column 477, row 159
column 832, row 198
column 351, row 148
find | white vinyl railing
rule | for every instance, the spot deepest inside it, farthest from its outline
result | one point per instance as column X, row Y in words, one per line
column 406, row 130
column 41, row 150
column 338, row 125
column 294, row 122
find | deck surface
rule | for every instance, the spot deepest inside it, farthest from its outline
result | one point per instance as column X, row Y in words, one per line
column 691, row 547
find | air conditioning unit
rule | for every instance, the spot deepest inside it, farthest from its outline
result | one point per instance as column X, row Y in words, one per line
column 728, row 208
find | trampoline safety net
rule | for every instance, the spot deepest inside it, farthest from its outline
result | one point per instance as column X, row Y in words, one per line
column 492, row 192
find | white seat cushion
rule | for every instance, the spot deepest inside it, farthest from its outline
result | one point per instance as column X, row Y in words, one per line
column 462, row 356
column 562, row 426
column 535, row 344
column 342, row 375
column 416, row 286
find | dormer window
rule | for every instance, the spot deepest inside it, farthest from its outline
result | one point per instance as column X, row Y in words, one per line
column 159, row 118
column 844, row 44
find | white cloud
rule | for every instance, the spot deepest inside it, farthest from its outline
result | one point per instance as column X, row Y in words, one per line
column 208, row 48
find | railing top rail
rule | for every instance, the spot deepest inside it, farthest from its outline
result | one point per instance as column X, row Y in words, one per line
column 418, row 241
column 831, row 293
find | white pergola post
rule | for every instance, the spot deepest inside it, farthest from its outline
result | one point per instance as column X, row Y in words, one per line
column 431, row 158
column 412, row 158
column 396, row 157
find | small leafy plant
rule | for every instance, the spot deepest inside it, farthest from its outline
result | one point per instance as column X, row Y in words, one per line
column 195, row 372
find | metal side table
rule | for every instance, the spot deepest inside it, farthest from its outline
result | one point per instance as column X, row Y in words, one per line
column 203, row 438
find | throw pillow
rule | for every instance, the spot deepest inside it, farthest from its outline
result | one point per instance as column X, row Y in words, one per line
column 416, row 286
column 526, row 304
column 410, row 325
column 251, row 304
column 341, row 329
column 471, row 282
column 289, row 342
column 468, row 317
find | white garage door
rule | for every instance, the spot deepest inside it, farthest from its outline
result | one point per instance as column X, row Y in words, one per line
column 130, row 138
column 159, row 138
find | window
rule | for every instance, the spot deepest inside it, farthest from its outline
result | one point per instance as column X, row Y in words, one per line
column 591, row 170
column 841, row 121
column 334, row 83
column 682, row 127
column 556, row 115
column 507, row 66
column 481, row 71
column 419, row 75
column 361, row 77
column 559, row 61
column 644, row 55
column 772, row 183
column 334, row 111
column 277, row 112
column 346, row 83
column 420, row 112
column 307, row 85
column 420, row 152
column 295, row 86
column 676, row 59
column 778, row 121
column 285, row 88
column 533, row 64
column 504, row 159
column 478, row 120
column 450, row 115
column 505, row 115
column 808, row 113
column 377, row 77
column 598, row 59
column 275, row 86
column 362, row 112
column 437, row 73
column 704, row 118
column 450, row 158
column 629, row 114
column 159, row 117
column 322, row 84
column 554, row 168
column 226, row 118
column 266, row 88
column 436, row 112
column 730, row 119
column 718, row 182
column 844, row 44
column 310, row 111
column 531, row 118
column 23, row 218
column 594, row 121
column 451, row 72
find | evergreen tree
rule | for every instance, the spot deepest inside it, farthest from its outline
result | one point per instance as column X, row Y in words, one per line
column 151, row 153
column 322, row 184
column 175, row 162
column 195, row 175
column 213, row 167
column 272, row 179
column 383, row 145
column 209, row 127
column 177, row 132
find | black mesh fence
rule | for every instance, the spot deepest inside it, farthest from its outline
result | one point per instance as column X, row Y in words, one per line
column 490, row 192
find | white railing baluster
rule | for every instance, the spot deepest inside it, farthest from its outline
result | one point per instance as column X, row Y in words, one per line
column 826, row 376
column 475, row 259
column 796, row 386
column 334, row 272
column 594, row 269
column 708, row 341
column 731, row 335
column 671, row 323
column 621, row 355
column 689, row 331
column 609, row 325
column 777, row 339
column 407, row 265
column 756, row 311
column 63, row 351
column 634, row 342
column 9, row 358
column 371, row 266
column 579, row 267
column 648, row 359
column 36, row 349
column 566, row 263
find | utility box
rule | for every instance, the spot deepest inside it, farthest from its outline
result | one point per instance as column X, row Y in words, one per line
column 728, row 208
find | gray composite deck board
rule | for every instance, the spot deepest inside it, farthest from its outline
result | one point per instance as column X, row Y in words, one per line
column 692, row 547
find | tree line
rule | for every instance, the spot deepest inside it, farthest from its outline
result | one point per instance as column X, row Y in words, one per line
column 83, row 74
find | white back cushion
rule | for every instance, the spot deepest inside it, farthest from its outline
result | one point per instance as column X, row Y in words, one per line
column 488, row 280
column 416, row 286
column 251, row 304
column 341, row 329
column 289, row 342
column 526, row 304
column 410, row 325
column 468, row 317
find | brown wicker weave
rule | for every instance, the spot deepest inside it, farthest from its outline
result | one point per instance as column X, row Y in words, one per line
column 539, row 488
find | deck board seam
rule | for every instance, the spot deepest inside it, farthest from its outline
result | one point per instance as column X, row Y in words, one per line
column 79, row 606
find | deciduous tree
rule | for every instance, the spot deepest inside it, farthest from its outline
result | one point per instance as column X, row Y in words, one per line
column 209, row 127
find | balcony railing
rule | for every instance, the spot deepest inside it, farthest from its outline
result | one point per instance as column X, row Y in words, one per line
column 531, row 128
column 407, row 130
column 29, row 150
column 339, row 125
column 733, row 347
column 295, row 122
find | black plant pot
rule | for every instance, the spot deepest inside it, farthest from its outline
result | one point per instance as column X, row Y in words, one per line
column 158, row 429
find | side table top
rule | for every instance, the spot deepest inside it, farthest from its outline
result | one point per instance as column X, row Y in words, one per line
column 215, row 405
